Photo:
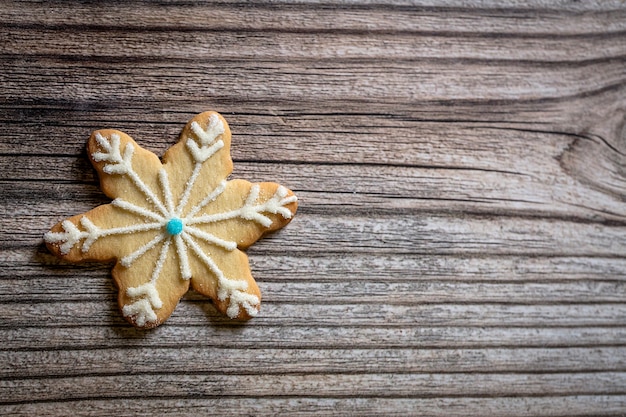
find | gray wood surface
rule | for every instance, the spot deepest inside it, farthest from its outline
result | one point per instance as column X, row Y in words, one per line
column 460, row 246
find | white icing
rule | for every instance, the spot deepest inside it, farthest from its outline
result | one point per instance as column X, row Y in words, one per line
column 167, row 191
column 143, row 309
column 227, row 288
column 69, row 236
column 118, row 202
column 128, row 260
column 161, row 261
column 187, row 192
column 215, row 128
column 205, row 152
column 94, row 233
column 207, row 237
column 123, row 165
column 242, row 299
column 276, row 204
column 142, row 312
column 72, row 235
column 147, row 291
column 208, row 199
column 203, row 256
column 183, row 258
column 252, row 211
column 145, row 297
column 118, row 164
column 201, row 154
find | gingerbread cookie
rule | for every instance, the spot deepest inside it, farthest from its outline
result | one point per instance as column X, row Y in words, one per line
column 174, row 223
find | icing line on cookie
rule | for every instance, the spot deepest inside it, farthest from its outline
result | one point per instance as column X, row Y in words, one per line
column 250, row 211
column 72, row 235
column 227, row 288
column 201, row 154
column 183, row 257
column 208, row 199
column 167, row 191
column 123, row 204
column 128, row 260
column 123, row 165
column 144, row 308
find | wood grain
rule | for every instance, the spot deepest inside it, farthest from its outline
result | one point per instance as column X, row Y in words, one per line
column 460, row 243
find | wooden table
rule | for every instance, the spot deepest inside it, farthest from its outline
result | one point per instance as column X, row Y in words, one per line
column 460, row 246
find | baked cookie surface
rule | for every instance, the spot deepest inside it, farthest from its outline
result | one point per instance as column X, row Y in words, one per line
column 174, row 224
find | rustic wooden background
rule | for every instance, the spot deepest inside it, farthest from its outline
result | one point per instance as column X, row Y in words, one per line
column 460, row 247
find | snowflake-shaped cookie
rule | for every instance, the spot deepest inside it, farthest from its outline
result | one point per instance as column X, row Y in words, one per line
column 174, row 223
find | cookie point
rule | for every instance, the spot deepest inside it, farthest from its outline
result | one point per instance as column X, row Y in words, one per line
column 174, row 226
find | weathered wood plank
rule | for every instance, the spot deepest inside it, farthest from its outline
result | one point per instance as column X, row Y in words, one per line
column 383, row 43
column 402, row 385
column 494, row 17
column 68, row 313
column 53, row 336
column 566, row 406
column 74, row 363
column 367, row 290
column 350, row 81
column 22, row 262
